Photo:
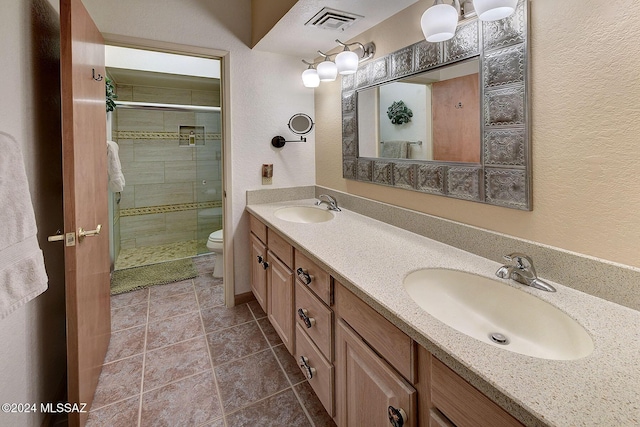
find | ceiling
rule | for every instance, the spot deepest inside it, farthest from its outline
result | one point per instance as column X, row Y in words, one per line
column 290, row 36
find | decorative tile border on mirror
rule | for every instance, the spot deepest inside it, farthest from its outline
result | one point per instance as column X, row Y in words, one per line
column 169, row 208
column 130, row 134
column 503, row 177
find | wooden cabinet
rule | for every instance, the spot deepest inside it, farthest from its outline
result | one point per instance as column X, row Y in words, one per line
column 258, row 260
column 259, row 266
column 272, row 279
column 367, row 386
column 447, row 400
column 359, row 364
column 280, row 300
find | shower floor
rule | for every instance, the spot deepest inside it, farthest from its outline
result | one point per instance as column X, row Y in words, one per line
column 146, row 255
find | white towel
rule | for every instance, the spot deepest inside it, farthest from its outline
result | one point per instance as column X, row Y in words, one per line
column 22, row 273
column 114, row 168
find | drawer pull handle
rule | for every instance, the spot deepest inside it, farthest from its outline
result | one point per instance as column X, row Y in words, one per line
column 265, row 265
column 260, row 259
column 304, row 276
column 309, row 372
column 397, row 417
column 303, row 314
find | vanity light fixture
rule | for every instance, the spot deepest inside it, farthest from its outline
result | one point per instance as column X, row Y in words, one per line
column 440, row 21
column 327, row 69
column 346, row 62
column 310, row 76
column 492, row 10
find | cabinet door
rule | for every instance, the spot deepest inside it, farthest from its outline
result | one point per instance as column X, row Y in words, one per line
column 280, row 300
column 258, row 271
column 367, row 386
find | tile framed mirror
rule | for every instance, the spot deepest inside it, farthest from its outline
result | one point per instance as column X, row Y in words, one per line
column 448, row 118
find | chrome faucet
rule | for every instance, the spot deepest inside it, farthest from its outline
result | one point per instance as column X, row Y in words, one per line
column 520, row 268
column 331, row 203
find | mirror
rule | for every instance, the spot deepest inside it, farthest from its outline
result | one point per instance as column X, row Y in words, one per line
column 429, row 116
column 499, row 172
column 300, row 124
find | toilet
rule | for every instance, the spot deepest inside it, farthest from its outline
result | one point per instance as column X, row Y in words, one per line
column 214, row 244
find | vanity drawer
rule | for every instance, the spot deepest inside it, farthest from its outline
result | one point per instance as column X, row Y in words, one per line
column 322, row 376
column 462, row 403
column 390, row 342
column 280, row 247
column 320, row 329
column 258, row 228
column 320, row 282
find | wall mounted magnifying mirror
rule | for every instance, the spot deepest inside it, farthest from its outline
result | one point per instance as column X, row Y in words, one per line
column 300, row 124
column 467, row 136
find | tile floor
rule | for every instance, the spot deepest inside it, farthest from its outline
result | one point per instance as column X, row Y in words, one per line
column 178, row 357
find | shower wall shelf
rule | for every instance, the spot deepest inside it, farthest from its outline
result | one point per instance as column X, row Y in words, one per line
column 191, row 136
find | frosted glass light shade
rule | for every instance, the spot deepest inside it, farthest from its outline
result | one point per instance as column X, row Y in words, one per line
column 439, row 23
column 347, row 62
column 327, row 71
column 310, row 78
column 492, row 10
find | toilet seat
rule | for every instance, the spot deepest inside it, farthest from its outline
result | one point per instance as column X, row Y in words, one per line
column 216, row 237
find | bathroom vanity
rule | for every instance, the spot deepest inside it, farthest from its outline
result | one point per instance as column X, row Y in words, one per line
column 368, row 349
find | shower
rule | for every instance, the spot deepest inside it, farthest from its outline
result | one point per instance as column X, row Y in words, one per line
column 168, row 129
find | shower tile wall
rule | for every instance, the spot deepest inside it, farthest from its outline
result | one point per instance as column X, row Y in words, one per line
column 167, row 185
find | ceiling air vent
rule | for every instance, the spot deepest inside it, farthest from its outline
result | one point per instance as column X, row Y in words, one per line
column 332, row 19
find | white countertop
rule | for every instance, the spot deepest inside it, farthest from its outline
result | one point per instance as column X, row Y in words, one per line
column 372, row 258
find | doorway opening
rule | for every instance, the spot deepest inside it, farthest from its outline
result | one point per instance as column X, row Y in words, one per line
column 167, row 123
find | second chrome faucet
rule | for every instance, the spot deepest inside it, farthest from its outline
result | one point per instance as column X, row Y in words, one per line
column 332, row 204
column 520, row 268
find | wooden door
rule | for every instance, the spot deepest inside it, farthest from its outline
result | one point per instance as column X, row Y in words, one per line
column 366, row 386
column 258, row 271
column 85, row 202
column 280, row 300
column 455, row 109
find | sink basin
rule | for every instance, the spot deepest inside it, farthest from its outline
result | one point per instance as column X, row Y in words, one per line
column 498, row 314
column 303, row 214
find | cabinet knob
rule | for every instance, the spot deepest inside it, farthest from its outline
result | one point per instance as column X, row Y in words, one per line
column 260, row 259
column 397, row 417
column 309, row 372
column 304, row 276
column 303, row 314
column 265, row 265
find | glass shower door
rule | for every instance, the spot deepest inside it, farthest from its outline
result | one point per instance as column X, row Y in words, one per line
column 208, row 184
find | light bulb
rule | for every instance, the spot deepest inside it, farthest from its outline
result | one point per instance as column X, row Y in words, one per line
column 310, row 78
column 347, row 62
column 492, row 10
column 439, row 22
column 327, row 71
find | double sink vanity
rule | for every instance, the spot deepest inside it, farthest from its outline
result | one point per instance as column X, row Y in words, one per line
column 393, row 328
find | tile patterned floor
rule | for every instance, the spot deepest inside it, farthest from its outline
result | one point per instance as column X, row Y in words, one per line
column 178, row 357
column 135, row 257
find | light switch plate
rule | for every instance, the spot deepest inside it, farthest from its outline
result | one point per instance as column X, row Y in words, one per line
column 267, row 181
column 267, row 174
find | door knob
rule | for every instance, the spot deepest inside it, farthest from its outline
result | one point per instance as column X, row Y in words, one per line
column 89, row 233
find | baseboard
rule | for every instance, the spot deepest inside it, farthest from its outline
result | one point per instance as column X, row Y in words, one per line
column 244, row 298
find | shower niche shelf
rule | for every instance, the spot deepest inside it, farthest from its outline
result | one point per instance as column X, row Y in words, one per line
column 191, row 136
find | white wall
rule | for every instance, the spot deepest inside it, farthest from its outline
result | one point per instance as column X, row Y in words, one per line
column 416, row 98
column 32, row 339
column 266, row 90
